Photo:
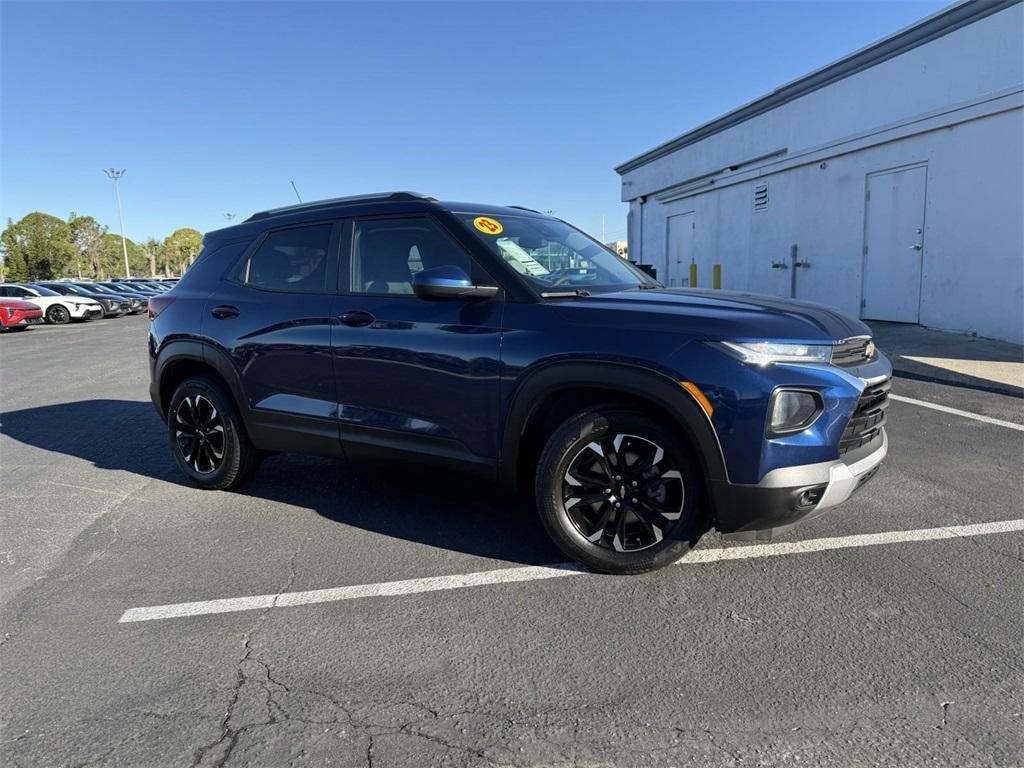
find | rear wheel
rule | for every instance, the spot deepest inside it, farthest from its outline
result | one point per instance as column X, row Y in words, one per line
column 206, row 435
column 619, row 492
column 58, row 314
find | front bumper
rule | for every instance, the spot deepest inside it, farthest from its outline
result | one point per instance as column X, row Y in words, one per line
column 20, row 320
column 789, row 495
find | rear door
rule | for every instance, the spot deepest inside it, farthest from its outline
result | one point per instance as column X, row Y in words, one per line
column 414, row 374
column 273, row 318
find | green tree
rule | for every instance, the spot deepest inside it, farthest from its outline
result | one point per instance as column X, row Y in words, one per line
column 111, row 257
column 87, row 233
column 181, row 247
column 14, row 267
column 38, row 247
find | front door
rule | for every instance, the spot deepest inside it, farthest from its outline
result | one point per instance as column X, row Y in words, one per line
column 894, row 245
column 414, row 374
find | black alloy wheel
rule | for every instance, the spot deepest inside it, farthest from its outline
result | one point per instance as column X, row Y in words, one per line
column 207, row 438
column 199, row 433
column 58, row 315
column 621, row 492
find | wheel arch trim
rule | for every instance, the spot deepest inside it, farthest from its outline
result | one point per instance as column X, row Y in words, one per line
column 176, row 351
column 636, row 381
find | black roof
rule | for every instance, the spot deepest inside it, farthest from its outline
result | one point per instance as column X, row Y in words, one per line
column 335, row 202
column 399, row 202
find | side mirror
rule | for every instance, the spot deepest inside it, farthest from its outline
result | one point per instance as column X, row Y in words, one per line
column 449, row 282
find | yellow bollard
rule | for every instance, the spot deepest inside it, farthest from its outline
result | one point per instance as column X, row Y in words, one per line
column 716, row 276
column 693, row 274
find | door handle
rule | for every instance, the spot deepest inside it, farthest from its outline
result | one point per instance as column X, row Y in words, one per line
column 357, row 318
column 915, row 247
column 224, row 311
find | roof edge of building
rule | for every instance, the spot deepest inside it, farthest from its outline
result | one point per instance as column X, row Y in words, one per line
column 930, row 28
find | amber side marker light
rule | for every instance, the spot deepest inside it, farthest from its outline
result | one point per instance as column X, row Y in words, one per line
column 699, row 396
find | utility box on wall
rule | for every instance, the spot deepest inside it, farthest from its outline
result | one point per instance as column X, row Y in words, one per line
column 897, row 173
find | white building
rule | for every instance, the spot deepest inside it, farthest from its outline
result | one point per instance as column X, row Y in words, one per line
column 889, row 184
column 621, row 247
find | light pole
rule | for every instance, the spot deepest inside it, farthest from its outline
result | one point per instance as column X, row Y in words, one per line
column 114, row 175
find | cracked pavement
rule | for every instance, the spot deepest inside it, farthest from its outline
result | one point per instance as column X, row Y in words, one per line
column 905, row 654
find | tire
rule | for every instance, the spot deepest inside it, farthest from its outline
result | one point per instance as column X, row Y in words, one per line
column 658, row 526
column 58, row 314
column 201, row 407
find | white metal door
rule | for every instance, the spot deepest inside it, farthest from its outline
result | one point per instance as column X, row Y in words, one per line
column 679, row 248
column 894, row 245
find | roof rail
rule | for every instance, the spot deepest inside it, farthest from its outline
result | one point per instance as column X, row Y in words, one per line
column 331, row 202
column 523, row 208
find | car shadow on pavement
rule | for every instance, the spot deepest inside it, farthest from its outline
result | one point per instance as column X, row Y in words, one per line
column 435, row 507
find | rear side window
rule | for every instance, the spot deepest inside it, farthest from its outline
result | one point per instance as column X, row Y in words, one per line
column 292, row 259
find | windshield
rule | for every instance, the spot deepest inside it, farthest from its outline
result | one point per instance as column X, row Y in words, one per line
column 553, row 256
column 42, row 291
column 69, row 288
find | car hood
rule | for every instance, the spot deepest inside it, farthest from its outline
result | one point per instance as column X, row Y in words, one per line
column 18, row 304
column 735, row 315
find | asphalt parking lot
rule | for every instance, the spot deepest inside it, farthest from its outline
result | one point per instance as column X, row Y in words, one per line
column 892, row 649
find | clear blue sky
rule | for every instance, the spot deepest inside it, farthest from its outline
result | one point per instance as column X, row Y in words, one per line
column 215, row 107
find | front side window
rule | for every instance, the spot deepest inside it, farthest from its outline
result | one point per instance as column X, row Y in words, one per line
column 386, row 253
column 292, row 259
column 552, row 255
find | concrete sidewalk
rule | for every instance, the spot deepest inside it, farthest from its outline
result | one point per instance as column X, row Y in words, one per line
column 922, row 353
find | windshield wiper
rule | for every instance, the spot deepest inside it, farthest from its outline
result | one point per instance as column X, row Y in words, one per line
column 564, row 294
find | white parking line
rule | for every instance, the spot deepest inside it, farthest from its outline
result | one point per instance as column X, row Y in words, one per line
column 535, row 573
column 958, row 412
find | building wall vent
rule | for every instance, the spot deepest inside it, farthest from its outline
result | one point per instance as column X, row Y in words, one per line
column 761, row 197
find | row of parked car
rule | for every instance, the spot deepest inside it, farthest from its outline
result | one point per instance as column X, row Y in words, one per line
column 23, row 305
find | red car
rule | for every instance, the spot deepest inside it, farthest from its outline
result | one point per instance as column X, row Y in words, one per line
column 16, row 315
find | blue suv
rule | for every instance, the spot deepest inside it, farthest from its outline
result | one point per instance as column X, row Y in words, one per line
column 502, row 341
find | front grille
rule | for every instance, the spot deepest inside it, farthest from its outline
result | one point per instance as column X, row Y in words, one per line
column 868, row 418
column 852, row 352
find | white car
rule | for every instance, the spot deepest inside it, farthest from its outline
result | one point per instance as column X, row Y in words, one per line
column 57, row 309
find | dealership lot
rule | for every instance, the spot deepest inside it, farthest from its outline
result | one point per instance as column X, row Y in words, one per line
column 899, row 650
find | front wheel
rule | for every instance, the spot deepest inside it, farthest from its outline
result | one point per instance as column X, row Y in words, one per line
column 58, row 314
column 619, row 492
column 206, row 435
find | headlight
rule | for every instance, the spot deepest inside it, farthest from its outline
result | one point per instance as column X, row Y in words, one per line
column 793, row 410
column 765, row 352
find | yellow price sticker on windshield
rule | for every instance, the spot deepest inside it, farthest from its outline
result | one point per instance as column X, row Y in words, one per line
column 488, row 226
